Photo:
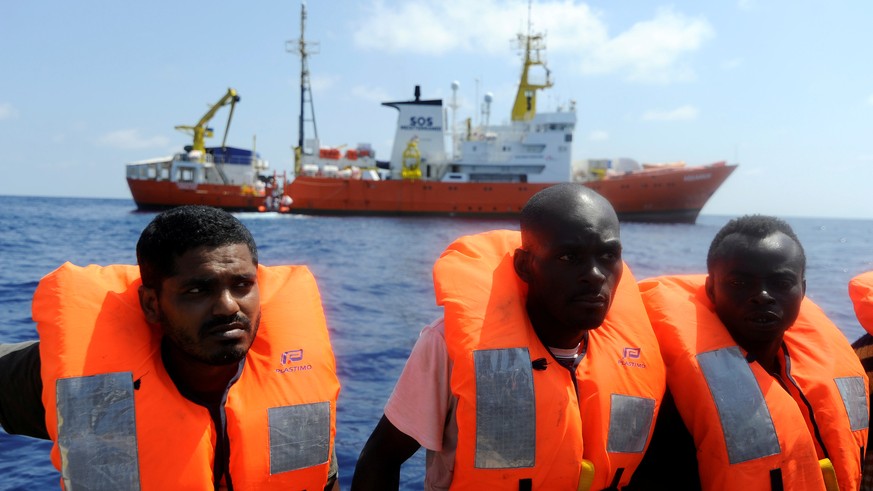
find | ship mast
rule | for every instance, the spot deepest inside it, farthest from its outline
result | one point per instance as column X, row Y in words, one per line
column 525, row 106
column 303, row 48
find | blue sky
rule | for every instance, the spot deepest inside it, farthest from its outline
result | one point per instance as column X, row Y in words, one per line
column 783, row 88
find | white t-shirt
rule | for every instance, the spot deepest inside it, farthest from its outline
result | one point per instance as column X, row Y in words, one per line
column 423, row 407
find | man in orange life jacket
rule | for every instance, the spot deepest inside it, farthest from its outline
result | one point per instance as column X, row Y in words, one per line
column 544, row 372
column 861, row 293
column 194, row 351
column 769, row 392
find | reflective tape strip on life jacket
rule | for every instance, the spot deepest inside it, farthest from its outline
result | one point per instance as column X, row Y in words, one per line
column 299, row 436
column 855, row 399
column 630, row 419
column 745, row 419
column 505, row 409
column 97, row 432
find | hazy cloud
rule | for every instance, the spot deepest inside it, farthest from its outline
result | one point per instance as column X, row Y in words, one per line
column 439, row 27
column 322, row 83
column 747, row 4
column 483, row 26
column 731, row 64
column 7, row 111
column 372, row 94
column 684, row 113
column 131, row 140
column 649, row 51
column 598, row 135
column 869, row 101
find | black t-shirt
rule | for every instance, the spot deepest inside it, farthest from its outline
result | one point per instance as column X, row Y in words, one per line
column 21, row 409
column 670, row 461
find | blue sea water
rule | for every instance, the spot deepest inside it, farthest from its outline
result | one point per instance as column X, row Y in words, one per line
column 375, row 279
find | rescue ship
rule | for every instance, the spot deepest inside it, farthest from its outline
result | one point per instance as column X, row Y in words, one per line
column 489, row 170
column 225, row 177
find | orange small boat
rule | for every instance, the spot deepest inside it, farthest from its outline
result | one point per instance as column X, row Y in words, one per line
column 225, row 177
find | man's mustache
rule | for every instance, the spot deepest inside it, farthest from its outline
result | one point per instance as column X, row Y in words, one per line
column 220, row 321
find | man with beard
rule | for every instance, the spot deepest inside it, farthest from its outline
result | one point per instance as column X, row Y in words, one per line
column 544, row 372
column 768, row 393
column 197, row 370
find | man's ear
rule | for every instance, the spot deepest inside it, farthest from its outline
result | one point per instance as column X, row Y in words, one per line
column 521, row 261
column 148, row 301
column 709, row 288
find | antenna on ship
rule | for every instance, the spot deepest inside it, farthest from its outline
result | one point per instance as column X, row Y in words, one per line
column 303, row 48
column 454, row 107
column 525, row 106
column 486, row 109
column 476, row 98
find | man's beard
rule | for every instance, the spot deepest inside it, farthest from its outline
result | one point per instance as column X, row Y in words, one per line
column 192, row 346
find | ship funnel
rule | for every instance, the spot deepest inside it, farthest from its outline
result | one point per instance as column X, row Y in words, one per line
column 421, row 120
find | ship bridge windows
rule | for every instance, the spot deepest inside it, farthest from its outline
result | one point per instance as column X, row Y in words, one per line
column 456, row 177
column 148, row 172
column 140, row 172
column 185, row 175
column 497, row 178
column 558, row 127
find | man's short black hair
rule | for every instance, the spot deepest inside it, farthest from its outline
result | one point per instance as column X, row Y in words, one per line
column 176, row 231
column 754, row 226
column 542, row 210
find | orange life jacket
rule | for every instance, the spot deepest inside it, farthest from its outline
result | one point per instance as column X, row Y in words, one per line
column 119, row 422
column 861, row 293
column 747, row 427
column 520, row 419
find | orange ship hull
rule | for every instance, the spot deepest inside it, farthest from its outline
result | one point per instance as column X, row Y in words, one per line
column 669, row 195
column 157, row 195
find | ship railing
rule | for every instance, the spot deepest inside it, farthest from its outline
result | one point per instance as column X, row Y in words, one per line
column 187, row 157
column 491, row 134
column 238, row 160
column 155, row 170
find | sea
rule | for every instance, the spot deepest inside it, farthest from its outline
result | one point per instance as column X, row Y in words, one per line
column 375, row 277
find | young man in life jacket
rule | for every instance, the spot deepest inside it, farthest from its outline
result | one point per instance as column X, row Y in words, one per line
column 544, row 372
column 768, row 393
column 861, row 293
column 197, row 370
